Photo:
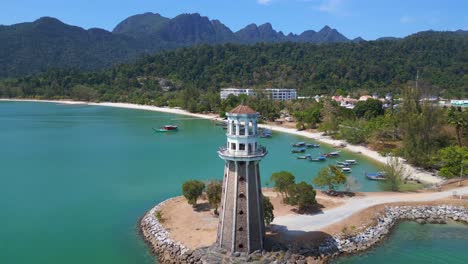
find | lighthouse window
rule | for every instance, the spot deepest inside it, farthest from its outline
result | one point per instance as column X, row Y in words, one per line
column 241, row 212
column 241, row 246
column 241, row 146
column 241, row 179
column 241, row 195
column 241, row 229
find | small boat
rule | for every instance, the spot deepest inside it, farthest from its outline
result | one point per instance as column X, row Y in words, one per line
column 306, row 156
column 346, row 170
column 309, row 145
column 299, row 144
column 351, row 162
column 263, row 135
column 319, row 158
column 343, row 163
column 299, row 150
column 334, row 153
column 375, row 176
column 166, row 128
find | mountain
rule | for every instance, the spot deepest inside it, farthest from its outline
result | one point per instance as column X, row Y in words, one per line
column 48, row 43
column 143, row 24
column 32, row 47
column 263, row 33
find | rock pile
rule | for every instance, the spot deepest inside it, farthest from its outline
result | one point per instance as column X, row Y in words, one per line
column 420, row 214
column 170, row 251
column 167, row 250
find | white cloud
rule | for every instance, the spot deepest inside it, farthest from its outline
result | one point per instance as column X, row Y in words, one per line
column 264, row 2
column 331, row 6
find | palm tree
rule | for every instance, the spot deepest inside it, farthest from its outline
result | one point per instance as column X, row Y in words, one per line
column 459, row 119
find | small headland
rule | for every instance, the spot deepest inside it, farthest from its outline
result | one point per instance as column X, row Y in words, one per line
column 180, row 233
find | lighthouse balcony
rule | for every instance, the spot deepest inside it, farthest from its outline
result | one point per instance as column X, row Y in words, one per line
column 226, row 153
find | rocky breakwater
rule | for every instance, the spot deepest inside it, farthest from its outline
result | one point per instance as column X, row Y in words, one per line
column 372, row 235
column 166, row 249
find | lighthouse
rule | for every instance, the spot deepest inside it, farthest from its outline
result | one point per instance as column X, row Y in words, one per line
column 241, row 226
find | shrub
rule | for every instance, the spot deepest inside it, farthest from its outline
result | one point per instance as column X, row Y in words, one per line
column 192, row 190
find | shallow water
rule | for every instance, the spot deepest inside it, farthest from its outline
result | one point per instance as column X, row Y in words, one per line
column 413, row 243
column 74, row 179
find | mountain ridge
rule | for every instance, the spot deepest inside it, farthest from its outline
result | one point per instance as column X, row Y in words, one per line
column 33, row 47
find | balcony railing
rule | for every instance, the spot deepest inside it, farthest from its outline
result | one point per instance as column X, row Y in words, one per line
column 260, row 151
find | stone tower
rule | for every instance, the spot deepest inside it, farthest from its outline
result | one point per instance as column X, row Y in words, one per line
column 241, row 227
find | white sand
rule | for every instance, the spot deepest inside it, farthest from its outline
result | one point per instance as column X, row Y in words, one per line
column 415, row 173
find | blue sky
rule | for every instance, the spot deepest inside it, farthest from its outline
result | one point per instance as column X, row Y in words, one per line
column 367, row 18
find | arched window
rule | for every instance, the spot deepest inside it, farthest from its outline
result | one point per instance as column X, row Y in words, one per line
column 241, row 228
column 241, row 195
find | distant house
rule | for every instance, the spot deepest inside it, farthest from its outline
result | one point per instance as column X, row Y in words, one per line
column 346, row 102
column 463, row 103
column 278, row 94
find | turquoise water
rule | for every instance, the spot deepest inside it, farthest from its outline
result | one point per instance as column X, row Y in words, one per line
column 414, row 243
column 75, row 179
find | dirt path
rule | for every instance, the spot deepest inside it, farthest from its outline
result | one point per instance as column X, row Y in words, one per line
column 354, row 205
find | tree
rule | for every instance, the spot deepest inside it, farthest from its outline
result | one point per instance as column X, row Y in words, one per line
column 302, row 195
column 368, row 109
column 329, row 116
column 454, row 162
column 459, row 119
column 395, row 173
column 330, row 177
column 192, row 190
column 213, row 191
column 281, row 182
column 421, row 123
column 268, row 208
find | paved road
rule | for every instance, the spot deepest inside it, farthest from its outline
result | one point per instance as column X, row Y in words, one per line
column 353, row 205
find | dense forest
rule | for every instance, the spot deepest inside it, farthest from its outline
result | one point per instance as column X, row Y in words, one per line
column 194, row 75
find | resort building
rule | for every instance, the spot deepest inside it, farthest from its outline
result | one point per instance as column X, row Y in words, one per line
column 278, row 94
column 241, row 226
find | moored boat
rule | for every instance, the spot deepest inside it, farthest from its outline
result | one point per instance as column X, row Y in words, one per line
column 351, row 162
column 309, row 145
column 376, row 176
column 166, row 128
column 319, row 158
column 299, row 144
column 299, row 150
column 306, row 156
column 346, row 170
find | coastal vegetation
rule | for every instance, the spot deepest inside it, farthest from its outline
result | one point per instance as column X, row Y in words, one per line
column 330, row 177
column 213, row 191
column 300, row 194
column 395, row 175
column 192, row 190
column 268, row 208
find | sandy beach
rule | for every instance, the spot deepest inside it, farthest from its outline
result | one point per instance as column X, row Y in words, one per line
column 421, row 175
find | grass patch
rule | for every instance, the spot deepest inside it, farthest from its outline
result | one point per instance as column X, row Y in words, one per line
column 159, row 216
column 411, row 187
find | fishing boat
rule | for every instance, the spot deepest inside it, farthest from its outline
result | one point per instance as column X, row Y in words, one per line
column 299, row 150
column 166, row 128
column 332, row 154
column 299, row 144
column 263, row 135
column 319, row 158
column 309, row 145
column 306, row 156
column 343, row 163
column 351, row 162
column 375, row 176
column 346, row 170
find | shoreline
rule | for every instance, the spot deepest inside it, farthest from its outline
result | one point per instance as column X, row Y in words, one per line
column 168, row 250
column 419, row 174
